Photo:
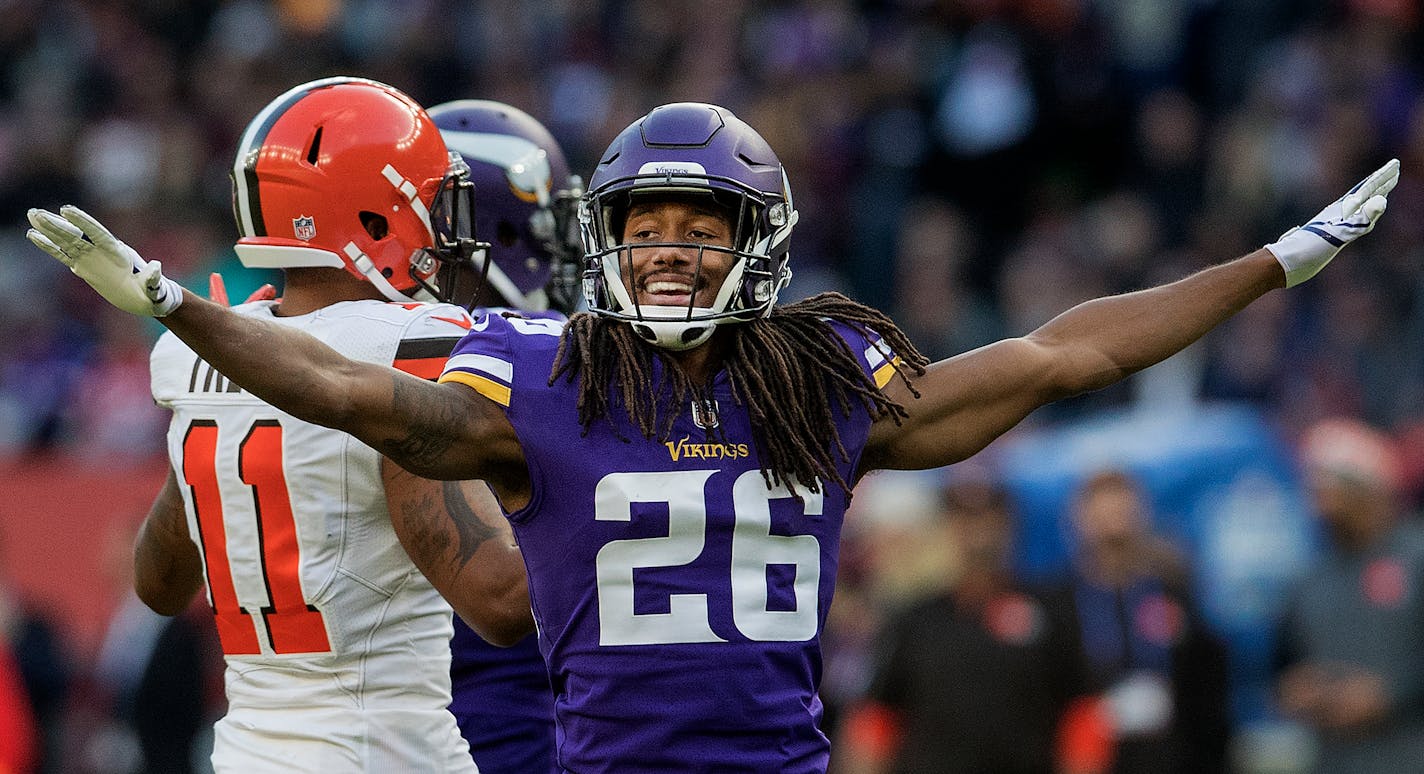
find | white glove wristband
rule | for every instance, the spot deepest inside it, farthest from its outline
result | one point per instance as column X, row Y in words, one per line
column 1304, row 250
column 1303, row 253
column 165, row 294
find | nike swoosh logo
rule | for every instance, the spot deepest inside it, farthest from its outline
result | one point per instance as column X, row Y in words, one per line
column 463, row 323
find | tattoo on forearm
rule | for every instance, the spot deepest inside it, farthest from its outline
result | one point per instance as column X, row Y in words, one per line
column 430, row 417
column 428, row 518
column 472, row 529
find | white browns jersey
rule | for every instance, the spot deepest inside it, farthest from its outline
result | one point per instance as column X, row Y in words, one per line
column 320, row 611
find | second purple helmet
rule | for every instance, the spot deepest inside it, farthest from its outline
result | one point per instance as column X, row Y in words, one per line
column 526, row 201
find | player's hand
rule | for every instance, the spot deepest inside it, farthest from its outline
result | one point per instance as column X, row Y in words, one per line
column 217, row 291
column 1304, row 250
column 111, row 267
column 265, row 293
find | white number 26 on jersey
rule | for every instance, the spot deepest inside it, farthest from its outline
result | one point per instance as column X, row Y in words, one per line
column 754, row 548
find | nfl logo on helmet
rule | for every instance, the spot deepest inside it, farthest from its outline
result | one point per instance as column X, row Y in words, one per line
column 304, row 227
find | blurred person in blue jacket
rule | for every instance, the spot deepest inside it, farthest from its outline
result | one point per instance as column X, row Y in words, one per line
column 1161, row 673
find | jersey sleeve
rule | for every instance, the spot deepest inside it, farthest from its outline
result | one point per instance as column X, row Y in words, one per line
column 484, row 360
column 426, row 342
column 874, row 354
column 880, row 359
column 170, row 368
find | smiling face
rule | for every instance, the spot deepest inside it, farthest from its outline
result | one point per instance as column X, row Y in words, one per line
column 663, row 275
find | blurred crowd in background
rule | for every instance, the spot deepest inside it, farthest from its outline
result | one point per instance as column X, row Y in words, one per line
column 973, row 167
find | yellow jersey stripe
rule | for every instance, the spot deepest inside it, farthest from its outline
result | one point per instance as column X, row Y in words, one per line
column 884, row 373
column 483, row 385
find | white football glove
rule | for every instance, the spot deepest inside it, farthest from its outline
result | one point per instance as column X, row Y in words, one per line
column 111, row 267
column 1304, row 250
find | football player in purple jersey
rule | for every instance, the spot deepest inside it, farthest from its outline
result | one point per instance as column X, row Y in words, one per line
column 526, row 208
column 676, row 461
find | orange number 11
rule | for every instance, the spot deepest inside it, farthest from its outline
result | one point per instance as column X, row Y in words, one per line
column 292, row 625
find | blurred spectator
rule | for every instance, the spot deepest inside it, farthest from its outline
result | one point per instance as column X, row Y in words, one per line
column 1162, row 674
column 160, row 678
column 890, row 556
column 20, row 751
column 28, row 640
column 1350, row 665
column 940, row 312
column 976, row 678
column 112, row 409
column 149, row 702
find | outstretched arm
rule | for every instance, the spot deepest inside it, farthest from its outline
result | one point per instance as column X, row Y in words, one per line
column 455, row 533
column 438, row 431
column 167, row 568
column 971, row 399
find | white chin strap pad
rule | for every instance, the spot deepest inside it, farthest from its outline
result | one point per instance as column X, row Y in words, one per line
column 675, row 336
column 675, row 332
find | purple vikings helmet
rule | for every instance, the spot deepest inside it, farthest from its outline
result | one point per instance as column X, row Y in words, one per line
column 525, row 201
column 689, row 148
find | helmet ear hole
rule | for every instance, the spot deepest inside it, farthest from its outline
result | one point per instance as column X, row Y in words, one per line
column 375, row 224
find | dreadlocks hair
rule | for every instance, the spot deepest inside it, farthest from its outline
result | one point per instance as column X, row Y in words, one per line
column 790, row 369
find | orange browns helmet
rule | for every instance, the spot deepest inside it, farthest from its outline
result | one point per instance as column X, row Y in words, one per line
column 351, row 173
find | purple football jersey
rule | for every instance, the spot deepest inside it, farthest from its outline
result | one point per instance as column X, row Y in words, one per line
column 679, row 598
column 500, row 697
column 501, row 700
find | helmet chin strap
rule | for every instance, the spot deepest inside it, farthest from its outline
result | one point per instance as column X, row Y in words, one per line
column 363, row 263
column 677, row 334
